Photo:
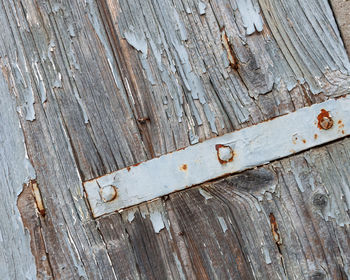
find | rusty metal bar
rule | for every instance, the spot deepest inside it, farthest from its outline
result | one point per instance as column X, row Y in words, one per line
column 233, row 152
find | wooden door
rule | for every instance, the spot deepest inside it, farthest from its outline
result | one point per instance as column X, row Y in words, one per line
column 89, row 87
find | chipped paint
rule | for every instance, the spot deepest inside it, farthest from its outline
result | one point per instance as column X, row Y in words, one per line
column 179, row 267
column 205, row 194
column 16, row 170
column 202, row 7
column 156, row 219
column 222, row 224
column 177, row 63
column 267, row 255
column 250, row 13
column 137, row 40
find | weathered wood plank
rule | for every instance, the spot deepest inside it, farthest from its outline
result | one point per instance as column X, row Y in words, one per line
column 16, row 258
column 88, row 106
column 341, row 10
column 230, row 153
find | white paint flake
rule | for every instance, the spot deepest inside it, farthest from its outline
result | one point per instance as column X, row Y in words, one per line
column 222, row 224
column 250, row 13
column 205, row 194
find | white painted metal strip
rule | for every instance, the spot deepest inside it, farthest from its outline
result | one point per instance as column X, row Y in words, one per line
column 227, row 154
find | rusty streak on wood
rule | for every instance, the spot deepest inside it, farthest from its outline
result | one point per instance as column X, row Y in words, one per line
column 27, row 205
column 229, row 50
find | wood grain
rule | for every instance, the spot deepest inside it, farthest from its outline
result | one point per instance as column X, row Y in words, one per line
column 286, row 220
column 341, row 10
column 100, row 85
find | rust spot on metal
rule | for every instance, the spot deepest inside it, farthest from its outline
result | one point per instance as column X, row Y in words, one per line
column 37, row 197
column 231, row 56
column 128, row 168
column 274, row 229
column 315, row 136
column 324, row 120
column 224, row 153
column 343, row 132
column 108, row 193
column 183, row 167
column 304, row 141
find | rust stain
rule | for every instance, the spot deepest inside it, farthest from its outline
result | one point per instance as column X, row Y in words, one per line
column 324, row 120
column 274, row 229
column 218, row 147
column 343, row 132
column 304, row 141
column 231, row 56
column 183, row 167
column 315, row 136
column 32, row 222
column 128, row 168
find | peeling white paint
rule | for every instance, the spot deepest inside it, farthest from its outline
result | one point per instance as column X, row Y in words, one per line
column 15, row 170
column 205, row 194
column 131, row 215
column 202, row 7
column 267, row 255
column 222, row 224
column 179, row 267
column 250, row 13
column 157, row 220
column 137, row 40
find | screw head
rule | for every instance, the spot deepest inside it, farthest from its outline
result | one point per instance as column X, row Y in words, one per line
column 224, row 153
column 108, row 193
column 325, row 120
column 326, row 123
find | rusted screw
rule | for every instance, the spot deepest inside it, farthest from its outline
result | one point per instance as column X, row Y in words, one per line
column 324, row 120
column 224, row 153
column 326, row 123
column 108, row 193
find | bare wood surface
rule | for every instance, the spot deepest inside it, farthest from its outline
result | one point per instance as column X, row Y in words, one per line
column 341, row 10
column 91, row 99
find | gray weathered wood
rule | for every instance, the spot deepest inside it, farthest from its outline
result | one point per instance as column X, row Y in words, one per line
column 16, row 259
column 223, row 230
column 341, row 9
column 100, row 85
